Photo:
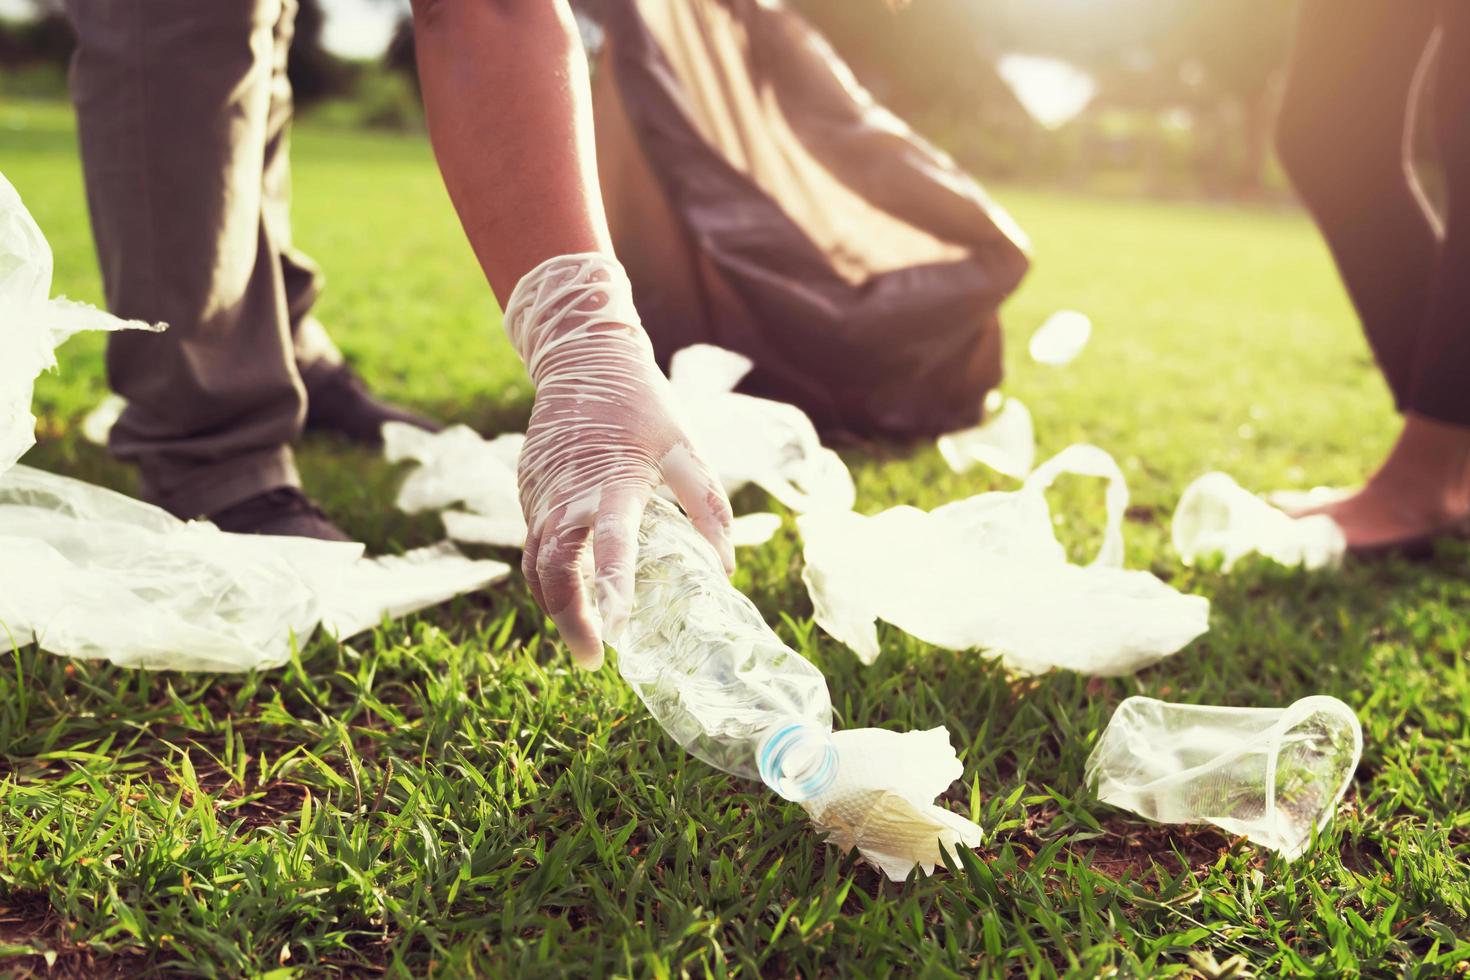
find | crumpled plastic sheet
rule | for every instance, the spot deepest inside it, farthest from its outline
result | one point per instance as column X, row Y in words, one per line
column 457, row 468
column 1058, row 341
column 755, row 440
column 1319, row 496
column 1216, row 516
column 32, row 324
column 472, row 480
column 98, row 423
column 1272, row 775
column 1005, row 441
column 988, row 572
column 92, row 573
column 882, row 803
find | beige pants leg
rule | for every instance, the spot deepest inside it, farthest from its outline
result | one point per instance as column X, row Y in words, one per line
column 183, row 111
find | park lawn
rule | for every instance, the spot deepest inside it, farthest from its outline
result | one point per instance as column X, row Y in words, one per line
column 447, row 795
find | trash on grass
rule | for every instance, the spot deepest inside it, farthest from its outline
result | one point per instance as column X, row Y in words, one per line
column 1058, row 341
column 746, row 440
column 755, row 440
column 1272, row 775
column 98, row 423
column 34, row 324
column 1298, row 500
column 723, row 685
column 1217, row 516
column 459, row 468
column 988, row 572
column 1005, row 441
column 882, row 802
column 93, row 573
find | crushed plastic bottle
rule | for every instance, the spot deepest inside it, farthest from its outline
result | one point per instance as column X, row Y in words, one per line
column 1272, row 775
column 725, row 687
column 1217, row 516
column 711, row 671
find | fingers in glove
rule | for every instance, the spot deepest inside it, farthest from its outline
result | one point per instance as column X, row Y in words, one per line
column 564, row 594
column 615, row 555
column 529, row 552
column 703, row 498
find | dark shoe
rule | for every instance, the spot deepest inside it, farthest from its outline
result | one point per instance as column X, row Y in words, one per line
column 285, row 511
column 338, row 401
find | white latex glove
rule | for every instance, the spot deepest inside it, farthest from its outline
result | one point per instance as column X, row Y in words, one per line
column 603, row 435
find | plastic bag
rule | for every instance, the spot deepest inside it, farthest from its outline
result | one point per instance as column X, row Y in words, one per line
column 1058, row 341
column 1217, row 516
column 32, row 324
column 92, row 573
column 761, row 199
column 756, row 440
column 1318, row 496
column 988, row 572
column 1005, row 441
column 746, row 440
column 98, row 423
column 459, row 468
column 1272, row 775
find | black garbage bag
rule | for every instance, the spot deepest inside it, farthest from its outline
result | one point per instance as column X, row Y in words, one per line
column 762, row 201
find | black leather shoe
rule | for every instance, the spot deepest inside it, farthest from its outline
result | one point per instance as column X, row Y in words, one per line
column 338, row 401
column 284, row 510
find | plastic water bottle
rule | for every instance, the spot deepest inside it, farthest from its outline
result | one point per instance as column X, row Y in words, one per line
column 713, row 674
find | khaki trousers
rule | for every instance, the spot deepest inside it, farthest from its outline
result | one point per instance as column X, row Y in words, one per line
column 183, row 110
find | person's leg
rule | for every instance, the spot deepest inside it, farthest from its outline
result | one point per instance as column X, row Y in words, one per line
column 1441, row 382
column 300, row 276
column 1356, row 72
column 337, row 400
column 1423, row 488
column 1341, row 137
column 173, row 100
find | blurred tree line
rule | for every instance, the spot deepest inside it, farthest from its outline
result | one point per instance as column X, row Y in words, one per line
column 1184, row 101
column 1186, row 89
column 43, row 43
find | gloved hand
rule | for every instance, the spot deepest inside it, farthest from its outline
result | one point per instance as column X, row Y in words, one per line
column 603, row 436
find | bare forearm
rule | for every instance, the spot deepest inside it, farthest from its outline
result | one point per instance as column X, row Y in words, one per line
column 509, row 112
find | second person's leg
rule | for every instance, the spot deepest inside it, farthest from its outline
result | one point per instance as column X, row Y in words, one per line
column 1341, row 137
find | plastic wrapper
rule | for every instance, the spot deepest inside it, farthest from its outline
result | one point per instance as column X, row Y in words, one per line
column 756, row 440
column 1058, row 341
column 457, row 468
column 98, row 423
column 92, row 573
column 988, row 572
column 1271, row 775
column 1005, row 441
column 32, row 324
column 722, row 684
column 1297, row 500
column 1216, row 516
column 882, row 802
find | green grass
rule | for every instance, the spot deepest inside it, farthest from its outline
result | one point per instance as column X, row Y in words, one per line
column 449, row 796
